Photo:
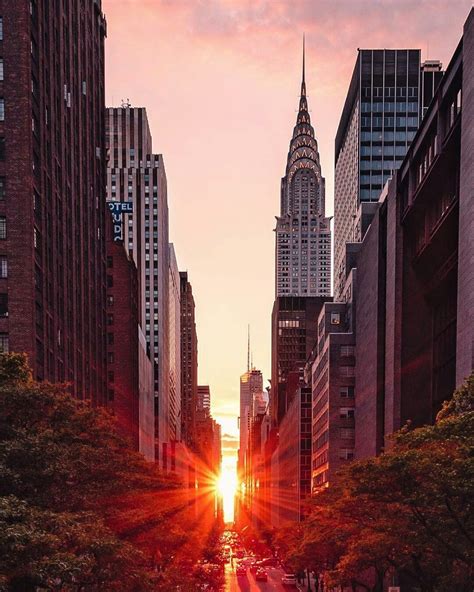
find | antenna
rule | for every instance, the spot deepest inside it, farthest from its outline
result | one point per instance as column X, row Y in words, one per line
column 248, row 348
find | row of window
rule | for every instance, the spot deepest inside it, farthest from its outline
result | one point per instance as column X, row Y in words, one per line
column 391, row 107
column 399, row 121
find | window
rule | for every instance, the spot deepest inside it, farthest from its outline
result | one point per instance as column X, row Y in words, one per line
column 3, row 305
column 3, row 227
column 2, row 148
column 110, row 300
column 1, row 28
column 2, row 109
column 110, row 318
column 347, row 433
column 335, row 318
column 346, row 412
column 4, row 342
column 110, row 338
column 346, row 454
column 347, row 350
column 110, row 281
column 110, row 357
column 3, row 267
column 1, row 69
column 346, row 392
column 2, row 188
column 110, row 261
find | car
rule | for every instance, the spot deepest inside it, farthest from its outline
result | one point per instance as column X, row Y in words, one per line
column 254, row 567
column 270, row 561
column 261, row 575
column 289, row 580
column 241, row 571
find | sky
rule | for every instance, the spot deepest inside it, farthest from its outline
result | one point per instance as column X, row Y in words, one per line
column 220, row 81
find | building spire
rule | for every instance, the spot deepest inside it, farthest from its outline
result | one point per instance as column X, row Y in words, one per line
column 303, row 81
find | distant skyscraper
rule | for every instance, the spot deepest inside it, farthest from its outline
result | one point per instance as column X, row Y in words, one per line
column 189, row 362
column 52, row 183
column 251, row 383
column 303, row 235
column 138, row 176
column 204, row 399
column 388, row 94
column 175, row 348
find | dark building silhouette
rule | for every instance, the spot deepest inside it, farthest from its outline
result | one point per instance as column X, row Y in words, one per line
column 189, row 362
column 415, row 277
column 294, row 332
column 122, row 341
column 52, row 187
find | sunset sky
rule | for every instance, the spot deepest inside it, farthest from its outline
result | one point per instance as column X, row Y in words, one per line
column 220, row 82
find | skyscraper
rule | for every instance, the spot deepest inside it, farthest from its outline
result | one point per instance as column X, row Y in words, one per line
column 189, row 362
column 251, row 384
column 204, row 399
column 389, row 92
column 303, row 235
column 52, row 181
column 136, row 175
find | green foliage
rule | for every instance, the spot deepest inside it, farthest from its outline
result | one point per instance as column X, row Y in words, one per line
column 409, row 511
column 79, row 510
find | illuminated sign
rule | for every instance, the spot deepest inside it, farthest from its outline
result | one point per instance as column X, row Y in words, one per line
column 118, row 209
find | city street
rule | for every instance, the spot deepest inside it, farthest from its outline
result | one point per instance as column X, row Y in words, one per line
column 248, row 583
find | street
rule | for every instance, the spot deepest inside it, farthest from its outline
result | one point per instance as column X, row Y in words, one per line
column 248, row 583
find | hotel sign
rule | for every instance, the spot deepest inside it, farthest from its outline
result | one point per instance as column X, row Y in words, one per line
column 118, row 209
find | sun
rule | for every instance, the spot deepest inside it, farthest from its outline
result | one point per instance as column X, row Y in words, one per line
column 226, row 485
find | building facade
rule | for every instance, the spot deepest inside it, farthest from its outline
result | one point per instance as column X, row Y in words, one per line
column 189, row 362
column 415, row 344
column 303, row 234
column 52, row 181
column 204, row 399
column 175, row 347
column 294, row 332
column 122, row 341
column 251, row 384
column 332, row 377
column 135, row 175
column 290, row 479
column 389, row 92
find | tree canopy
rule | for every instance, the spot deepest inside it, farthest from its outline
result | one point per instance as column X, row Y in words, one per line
column 80, row 510
column 408, row 511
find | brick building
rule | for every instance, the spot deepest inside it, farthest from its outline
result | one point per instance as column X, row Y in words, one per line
column 122, row 341
column 52, row 183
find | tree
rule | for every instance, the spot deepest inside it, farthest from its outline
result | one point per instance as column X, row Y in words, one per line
column 80, row 510
column 408, row 511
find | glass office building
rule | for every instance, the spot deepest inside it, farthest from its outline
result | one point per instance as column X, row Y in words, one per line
column 388, row 94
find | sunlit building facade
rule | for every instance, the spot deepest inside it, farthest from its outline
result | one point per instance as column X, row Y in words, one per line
column 137, row 176
column 251, row 384
column 303, row 234
column 175, row 347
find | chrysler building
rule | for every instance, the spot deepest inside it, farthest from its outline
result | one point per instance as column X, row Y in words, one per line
column 303, row 234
